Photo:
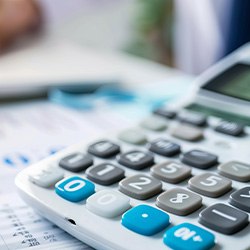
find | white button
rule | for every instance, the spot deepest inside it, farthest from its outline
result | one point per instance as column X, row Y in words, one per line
column 46, row 176
column 107, row 203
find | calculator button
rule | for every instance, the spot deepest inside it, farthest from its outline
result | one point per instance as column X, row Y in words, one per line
column 154, row 123
column 108, row 203
column 164, row 147
column 187, row 236
column 235, row 170
column 230, row 128
column 145, row 220
column 104, row 149
column 241, row 199
column 187, row 132
column 179, row 201
column 74, row 188
column 46, row 177
column 171, row 172
column 199, row 159
column 165, row 113
column 223, row 218
column 76, row 162
column 105, row 174
column 140, row 186
column 193, row 118
column 136, row 159
column 133, row 136
column 210, row 185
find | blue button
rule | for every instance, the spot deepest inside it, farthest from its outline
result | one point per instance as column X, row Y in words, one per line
column 74, row 188
column 187, row 236
column 145, row 220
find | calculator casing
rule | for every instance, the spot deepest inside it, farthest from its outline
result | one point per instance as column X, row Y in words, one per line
column 105, row 233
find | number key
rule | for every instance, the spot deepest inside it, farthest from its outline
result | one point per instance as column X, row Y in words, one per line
column 170, row 171
column 108, row 203
column 140, row 186
column 136, row 159
column 105, row 174
column 210, row 184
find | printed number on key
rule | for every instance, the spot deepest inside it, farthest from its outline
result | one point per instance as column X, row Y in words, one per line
column 137, row 185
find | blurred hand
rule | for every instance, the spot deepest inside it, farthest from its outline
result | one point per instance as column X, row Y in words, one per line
column 17, row 17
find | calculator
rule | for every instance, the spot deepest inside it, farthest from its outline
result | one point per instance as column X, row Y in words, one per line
column 179, row 179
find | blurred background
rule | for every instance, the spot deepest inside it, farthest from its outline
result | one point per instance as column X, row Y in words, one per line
column 189, row 35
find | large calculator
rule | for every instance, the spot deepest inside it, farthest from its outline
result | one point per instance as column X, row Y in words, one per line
column 180, row 179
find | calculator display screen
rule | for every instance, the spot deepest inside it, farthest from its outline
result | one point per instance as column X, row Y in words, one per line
column 234, row 82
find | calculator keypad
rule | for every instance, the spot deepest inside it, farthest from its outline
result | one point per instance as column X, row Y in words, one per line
column 145, row 220
column 171, row 172
column 108, row 203
column 140, row 186
column 199, row 159
column 104, row 149
column 223, row 218
column 179, row 201
column 136, row 159
column 76, row 162
column 210, row 185
column 235, row 170
column 105, row 174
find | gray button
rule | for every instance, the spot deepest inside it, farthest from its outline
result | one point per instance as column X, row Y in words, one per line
column 210, row 184
column 136, row 159
column 76, row 162
column 199, row 159
column 164, row 147
column 235, row 170
column 170, row 171
column 133, row 136
column 140, row 186
column 187, row 132
column 230, row 128
column 154, row 123
column 241, row 199
column 105, row 174
column 223, row 219
column 104, row 149
column 179, row 201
